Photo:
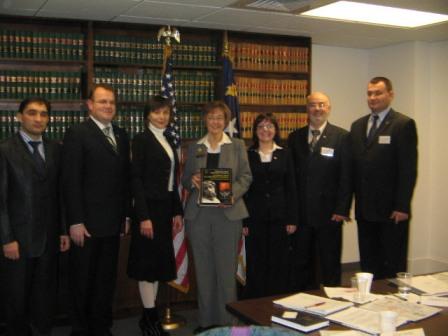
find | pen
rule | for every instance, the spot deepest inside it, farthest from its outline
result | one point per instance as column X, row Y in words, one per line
column 314, row 305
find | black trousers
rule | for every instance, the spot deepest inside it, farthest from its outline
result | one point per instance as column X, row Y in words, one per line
column 93, row 273
column 318, row 256
column 383, row 247
column 28, row 292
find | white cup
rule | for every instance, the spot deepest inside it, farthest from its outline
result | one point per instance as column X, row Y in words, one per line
column 368, row 278
column 362, row 286
column 388, row 321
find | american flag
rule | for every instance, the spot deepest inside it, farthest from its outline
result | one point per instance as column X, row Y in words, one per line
column 168, row 90
column 234, row 130
column 231, row 98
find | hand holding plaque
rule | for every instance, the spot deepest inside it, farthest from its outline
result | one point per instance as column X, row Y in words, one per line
column 216, row 187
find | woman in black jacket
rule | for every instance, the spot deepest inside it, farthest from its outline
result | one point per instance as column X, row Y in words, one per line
column 158, row 210
column 271, row 201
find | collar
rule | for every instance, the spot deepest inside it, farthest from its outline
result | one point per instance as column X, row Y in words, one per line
column 274, row 148
column 381, row 115
column 225, row 140
column 27, row 138
column 321, row 129
column 100, row 124
column 156, row 130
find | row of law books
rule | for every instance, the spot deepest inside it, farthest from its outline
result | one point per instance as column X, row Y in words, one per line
column 191, row 86
column 41, row 45
column 131, row 118
column 260, row 91
column 252, row 56
column 141, row 50
column 59, row 122
column 288, row 122
column 53, row 85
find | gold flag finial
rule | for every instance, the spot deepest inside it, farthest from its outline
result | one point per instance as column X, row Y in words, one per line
column 168, row 33
column 225, row 47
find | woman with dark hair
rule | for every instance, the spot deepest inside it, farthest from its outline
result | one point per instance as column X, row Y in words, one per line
column 214, row 231
column 271, row 201
column 158, row 210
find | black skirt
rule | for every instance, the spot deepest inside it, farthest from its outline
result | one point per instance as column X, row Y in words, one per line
column 153, row 259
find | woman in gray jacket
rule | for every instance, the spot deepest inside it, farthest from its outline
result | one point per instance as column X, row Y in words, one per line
column 214, row 231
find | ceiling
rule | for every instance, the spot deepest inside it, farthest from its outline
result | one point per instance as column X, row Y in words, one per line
column 271, row 17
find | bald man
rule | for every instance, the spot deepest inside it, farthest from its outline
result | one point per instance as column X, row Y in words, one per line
column 321, row 157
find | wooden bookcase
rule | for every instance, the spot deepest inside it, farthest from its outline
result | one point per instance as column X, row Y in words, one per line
column 272, row 74
column 61, row 59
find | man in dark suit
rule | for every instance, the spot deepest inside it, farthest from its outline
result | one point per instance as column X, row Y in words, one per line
column 31, row 230
column 321, row 158
column 384, row 146
column 96, row 191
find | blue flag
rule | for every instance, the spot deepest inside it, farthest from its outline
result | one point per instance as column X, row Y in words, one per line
column 231, row 99
column 168, row 90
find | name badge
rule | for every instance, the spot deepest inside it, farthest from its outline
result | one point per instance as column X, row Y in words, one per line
column 384, row 139
column 325, row 151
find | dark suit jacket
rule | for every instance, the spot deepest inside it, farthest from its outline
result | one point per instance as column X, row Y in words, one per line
column 151, row 168
column 323, row 181
column 386, row 169
column 96, row 179
column 29, row 213
column 272, row 194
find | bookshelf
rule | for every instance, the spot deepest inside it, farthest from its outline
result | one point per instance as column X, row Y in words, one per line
column 272, row 74
column 62, row 59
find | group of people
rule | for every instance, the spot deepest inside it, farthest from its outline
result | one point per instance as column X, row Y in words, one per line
column 288, row 201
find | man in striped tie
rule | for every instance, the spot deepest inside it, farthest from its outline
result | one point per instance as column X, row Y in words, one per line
column 96, row 191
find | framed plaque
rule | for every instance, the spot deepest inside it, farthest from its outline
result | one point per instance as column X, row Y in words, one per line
column 216, row 187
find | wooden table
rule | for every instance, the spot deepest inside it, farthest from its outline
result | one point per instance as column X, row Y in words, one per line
column 259, row 311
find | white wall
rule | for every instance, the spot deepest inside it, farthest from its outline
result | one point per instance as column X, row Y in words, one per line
column 437, row 218
column 419, row 73
column 341, row 73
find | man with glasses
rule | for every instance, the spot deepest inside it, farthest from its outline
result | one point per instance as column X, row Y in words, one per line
column 96, row 191
column 321, row 157
column 384, row 145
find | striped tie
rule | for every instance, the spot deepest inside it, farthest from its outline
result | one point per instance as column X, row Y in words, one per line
column 106, row 131
column 313, row 142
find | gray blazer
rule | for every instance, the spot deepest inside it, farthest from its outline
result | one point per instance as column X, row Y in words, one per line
column 232, row 156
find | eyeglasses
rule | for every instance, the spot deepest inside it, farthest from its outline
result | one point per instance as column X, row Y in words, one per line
column 317, row 105
column 267, row 127
column 217, row 118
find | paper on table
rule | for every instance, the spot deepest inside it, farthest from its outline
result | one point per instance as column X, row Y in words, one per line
column 436, row 301
column 361, row 319
column 406, row 310
column 442, row 276
column 430, row 284
column 312, row 303
column 342, row 333
column 429, row 300
column 410, row 332
column 348, row 294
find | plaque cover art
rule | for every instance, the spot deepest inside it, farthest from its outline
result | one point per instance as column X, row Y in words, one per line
column 216, row 187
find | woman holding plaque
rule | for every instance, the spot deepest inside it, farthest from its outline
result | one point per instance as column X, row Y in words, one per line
column 272, row 204
column 158, row 210
column 215, row 230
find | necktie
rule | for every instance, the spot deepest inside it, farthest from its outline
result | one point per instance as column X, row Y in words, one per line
column 106, row 131
column 373, row 129
column 40, row 163
column 313, row 142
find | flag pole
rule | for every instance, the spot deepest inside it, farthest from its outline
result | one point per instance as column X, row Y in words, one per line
column 169, row 321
